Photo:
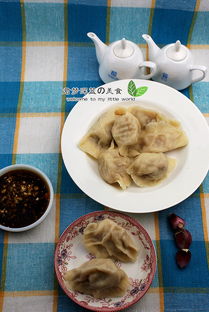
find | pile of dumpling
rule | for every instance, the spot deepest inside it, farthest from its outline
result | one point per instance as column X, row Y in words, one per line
column 129, row 144
column 101, row 277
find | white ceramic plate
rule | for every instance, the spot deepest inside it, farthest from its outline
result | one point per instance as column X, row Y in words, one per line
column 192, row 160
column 70, row 253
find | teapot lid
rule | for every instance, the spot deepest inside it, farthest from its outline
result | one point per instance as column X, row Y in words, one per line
column 177, row 51
column 123, row 49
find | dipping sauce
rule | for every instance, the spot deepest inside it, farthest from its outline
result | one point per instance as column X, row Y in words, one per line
column 24, row 197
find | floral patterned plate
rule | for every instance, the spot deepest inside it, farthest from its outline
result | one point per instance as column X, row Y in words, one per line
column 71, row 253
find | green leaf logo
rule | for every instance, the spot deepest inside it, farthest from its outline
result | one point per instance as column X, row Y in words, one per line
column 131, row 87
column 140, row 91
column 132, row 90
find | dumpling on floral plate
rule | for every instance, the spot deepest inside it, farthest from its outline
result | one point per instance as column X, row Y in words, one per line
column 100, row 278
column 106, row 239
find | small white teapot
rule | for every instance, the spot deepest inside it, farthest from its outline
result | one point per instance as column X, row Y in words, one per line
column 122, row 59
column 174, row 64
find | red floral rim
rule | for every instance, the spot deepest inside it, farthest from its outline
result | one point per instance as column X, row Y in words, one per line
column 133, row 222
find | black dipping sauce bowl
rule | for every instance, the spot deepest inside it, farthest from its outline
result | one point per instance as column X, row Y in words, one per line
column 26, row 197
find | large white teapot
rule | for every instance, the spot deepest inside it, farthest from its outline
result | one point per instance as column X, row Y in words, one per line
column 174, row 64
column 122, row 59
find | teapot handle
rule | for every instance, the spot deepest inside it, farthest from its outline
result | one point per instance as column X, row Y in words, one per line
column 153, row 69
column 201, row 68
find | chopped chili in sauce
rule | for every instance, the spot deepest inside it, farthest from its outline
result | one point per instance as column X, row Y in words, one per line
column 24, row 197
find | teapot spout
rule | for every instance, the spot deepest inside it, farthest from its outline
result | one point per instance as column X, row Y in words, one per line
column 153, row 48
column 99, row 45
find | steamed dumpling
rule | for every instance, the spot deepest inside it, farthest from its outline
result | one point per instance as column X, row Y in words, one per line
column 126, row 130
column 112, row 167
column 163, row 136
column 144, row 116
column 100, row 278
column 106, row 239
column 99, row 136
column 148, row 168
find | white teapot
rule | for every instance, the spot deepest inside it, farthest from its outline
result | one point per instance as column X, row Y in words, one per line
column 174, row 64
column 122, row 59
